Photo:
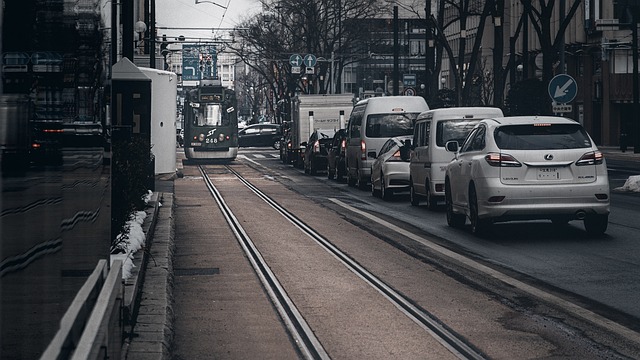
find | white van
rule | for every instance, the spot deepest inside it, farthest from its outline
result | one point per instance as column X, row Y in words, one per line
column 372, row 122
column 429, row 157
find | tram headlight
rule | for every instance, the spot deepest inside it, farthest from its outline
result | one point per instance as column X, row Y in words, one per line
column 201, row 137
column 221, row 137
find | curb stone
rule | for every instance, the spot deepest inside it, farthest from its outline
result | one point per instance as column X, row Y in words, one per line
column 148, row 299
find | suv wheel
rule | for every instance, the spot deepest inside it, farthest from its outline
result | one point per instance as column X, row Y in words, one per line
column 453, row 219
column 276, row 145
column 478, row 226
column 597, row 224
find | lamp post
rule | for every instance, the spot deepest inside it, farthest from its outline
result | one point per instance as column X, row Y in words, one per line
column 140, row 28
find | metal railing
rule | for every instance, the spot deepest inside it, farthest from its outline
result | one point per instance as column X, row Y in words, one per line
column 91, row 328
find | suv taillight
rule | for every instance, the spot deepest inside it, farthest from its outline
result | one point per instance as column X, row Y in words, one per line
column 591, row 158
column 363, row 150
column 501, row 160
column 343, row 145
column 316, row 146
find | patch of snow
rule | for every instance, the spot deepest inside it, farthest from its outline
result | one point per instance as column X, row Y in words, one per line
column 632, row 184
column 132, row 241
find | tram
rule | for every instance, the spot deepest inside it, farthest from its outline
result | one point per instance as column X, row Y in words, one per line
column 210, row 122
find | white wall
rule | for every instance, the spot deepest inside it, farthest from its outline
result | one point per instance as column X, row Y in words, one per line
column 163, row 119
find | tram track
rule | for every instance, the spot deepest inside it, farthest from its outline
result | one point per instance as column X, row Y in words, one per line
column 309, row 346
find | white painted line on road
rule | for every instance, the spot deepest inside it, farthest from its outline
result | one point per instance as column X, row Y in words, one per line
column 259, row 156
column 568, row 306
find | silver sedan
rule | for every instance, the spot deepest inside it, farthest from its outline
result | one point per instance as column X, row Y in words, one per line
column 389, row 173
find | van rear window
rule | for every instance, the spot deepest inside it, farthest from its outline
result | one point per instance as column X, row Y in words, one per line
column 450, row 130
column 390, row 125
column 547, row 137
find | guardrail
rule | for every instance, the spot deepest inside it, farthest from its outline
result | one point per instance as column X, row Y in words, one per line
column 92, row 326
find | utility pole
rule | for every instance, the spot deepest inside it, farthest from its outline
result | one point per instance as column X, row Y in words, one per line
column 152, row 35
column 636, row 102
column 396, row 52
column 428, row 54
column 127, row 29
column 561, row 44
column 498, row 51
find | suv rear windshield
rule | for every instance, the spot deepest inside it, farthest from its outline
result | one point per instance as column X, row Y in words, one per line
column 542, row 137
column 450, row 130
column 390, row 125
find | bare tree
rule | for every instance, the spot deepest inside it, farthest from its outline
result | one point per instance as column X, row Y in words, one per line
column 541, row 16
column 329, row 29
column 486, row 82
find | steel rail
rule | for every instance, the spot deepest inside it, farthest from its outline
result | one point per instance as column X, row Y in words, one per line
column 455, row 343
column 298, row 328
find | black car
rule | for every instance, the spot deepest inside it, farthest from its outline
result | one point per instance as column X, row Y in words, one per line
column 315, row 153
column 336, row 166
column 260, row 135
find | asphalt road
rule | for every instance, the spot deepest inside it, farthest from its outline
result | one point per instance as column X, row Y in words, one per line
column 601, row 273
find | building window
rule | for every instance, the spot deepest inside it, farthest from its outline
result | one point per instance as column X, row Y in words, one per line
column 622, row 61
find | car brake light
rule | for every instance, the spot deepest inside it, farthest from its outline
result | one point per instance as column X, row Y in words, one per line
column 343, row 144
column 591, row 158
column 501, row 160
column 316, row 146
column 395, row 156
column 363, row 150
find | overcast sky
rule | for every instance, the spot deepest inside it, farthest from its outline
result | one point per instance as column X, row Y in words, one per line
column 188, row 14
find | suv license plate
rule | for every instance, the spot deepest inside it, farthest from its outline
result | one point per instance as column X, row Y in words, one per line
column 548, row 174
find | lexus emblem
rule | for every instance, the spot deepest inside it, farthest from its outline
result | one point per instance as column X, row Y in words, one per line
column 548, row 157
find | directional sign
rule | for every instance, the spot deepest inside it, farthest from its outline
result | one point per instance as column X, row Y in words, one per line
column 563, row 89
column 295, row 60
column 310, row 60
column 190, row 63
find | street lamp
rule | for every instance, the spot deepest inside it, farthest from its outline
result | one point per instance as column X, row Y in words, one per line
column 210, row 2
column 520, row 67
column 140, row 28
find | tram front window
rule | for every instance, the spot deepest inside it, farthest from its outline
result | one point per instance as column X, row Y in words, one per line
column 211, row 115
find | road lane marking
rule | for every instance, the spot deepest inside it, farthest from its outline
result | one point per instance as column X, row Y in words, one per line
column 564, row 304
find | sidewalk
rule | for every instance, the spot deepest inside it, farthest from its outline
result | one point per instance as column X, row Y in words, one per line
column 148, row 295
column 614, row 152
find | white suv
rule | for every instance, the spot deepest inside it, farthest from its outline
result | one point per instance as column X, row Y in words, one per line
column 526, row 168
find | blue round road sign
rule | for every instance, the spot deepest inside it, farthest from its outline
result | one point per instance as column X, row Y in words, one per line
column 563, row 89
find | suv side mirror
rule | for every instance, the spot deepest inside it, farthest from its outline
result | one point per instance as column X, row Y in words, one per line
column 452, row 146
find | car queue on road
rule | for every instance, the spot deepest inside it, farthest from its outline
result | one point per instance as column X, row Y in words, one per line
column 483, row 166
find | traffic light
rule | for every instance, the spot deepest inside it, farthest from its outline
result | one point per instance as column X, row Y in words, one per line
column 164, row 51
column 164, row 44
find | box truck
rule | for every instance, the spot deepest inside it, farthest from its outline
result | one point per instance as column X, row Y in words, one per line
column 310, row 113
